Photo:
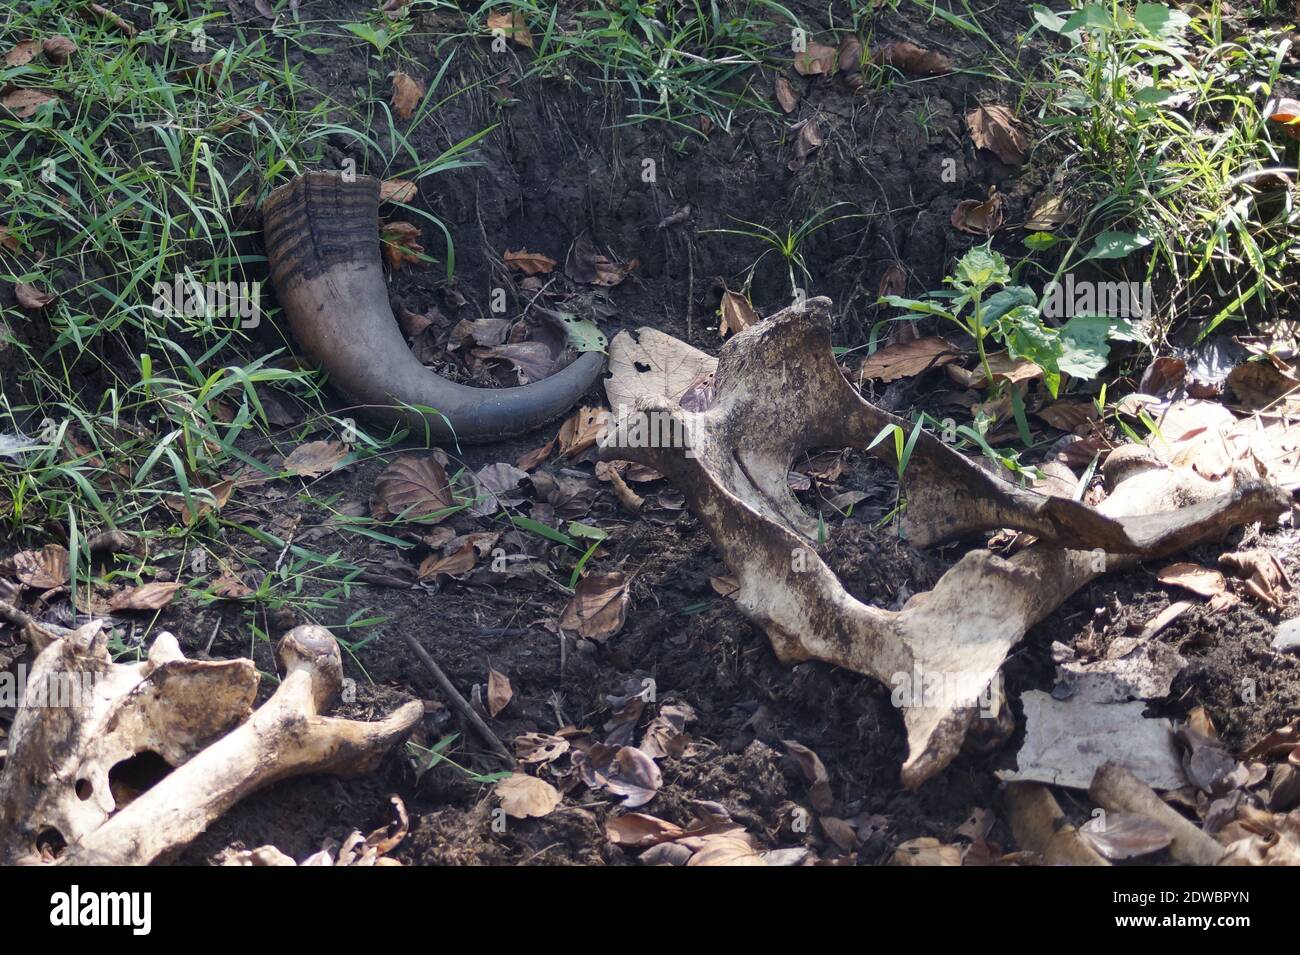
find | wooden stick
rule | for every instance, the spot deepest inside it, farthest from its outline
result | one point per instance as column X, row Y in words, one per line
column 459, row 702
column 1039, row 826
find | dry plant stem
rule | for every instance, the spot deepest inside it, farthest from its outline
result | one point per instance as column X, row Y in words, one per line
column 780, row 393
column 1039, row 826
column 1116, row 789
column 322, row 241
column 38, row 635
column 461, row 705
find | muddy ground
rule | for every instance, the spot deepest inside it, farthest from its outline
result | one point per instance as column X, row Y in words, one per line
column 556, row 166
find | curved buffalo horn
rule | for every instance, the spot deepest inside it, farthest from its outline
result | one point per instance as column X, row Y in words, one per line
column 322, row 240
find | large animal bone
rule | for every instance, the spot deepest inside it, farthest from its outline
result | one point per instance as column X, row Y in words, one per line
column 322, row 243
column 84, row 719
column 778, row 392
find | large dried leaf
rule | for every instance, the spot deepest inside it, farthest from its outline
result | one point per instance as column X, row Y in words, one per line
column 785, row 94
column 43, row 569
column 530, row 263
column 1199, row 580
column 634, row 776
column 817, row 60
column 407, row 93
column 979, row 218
column 652, row 364
column 24, row 103
column 499, row 692
column 736, row 313
column 412, row 488
column 540, row 747
column 993, row 127
column 315, row 458
column 598, row 608
column 460, row 561
column 524, row 796
column 635, row 830
column 727, row 848
column 152, row 596
column 908, row 359
column 926, row 851
column 32, row 298
column 910, row 58
column 22, row 53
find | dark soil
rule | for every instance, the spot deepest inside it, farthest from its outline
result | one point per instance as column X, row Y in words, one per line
column 557, row 166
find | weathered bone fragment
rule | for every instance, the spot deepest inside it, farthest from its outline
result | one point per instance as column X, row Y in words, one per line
column 778, row 392
column 61, row 793
column 322, row 242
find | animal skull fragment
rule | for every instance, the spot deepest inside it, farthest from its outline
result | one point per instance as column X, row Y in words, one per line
column 777, row 393
column 84, row 718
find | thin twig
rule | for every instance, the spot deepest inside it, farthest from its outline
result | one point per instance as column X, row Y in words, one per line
column 459, row 702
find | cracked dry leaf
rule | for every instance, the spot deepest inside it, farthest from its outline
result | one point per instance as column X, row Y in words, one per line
column 43, row 569
column 411, row 488
column 397, row 190
column 908, row 359
column 540, row 747
column 25, row 103
column 979, row 218
column 407, row 93
column 726, row 848
column 151, row 596
column 910, row 58
column 1199, row 580
column 817, row 60
column 499, row 692
column 580, row 432
column 993, row 127
column 785, row 95
column 315, row 458
column 598, row 608
column 523, row 796
column 401, row 244
column 652, row 364
column 736, row 313
column 458, row 562
column 531, row 459
column 20, row 54
column 530, row 263
column 808, row 137
column 513, row 25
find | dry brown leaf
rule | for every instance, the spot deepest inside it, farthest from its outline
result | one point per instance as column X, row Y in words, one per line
column 499, row 692
column 532, row 459
column 315, row 458
column 598, row 608
column 152, row 596
column 993, row 127
column 817, row 60
column 1199, row 580
column 1047, row 213
column 8, row 240
column 1286, row 113
column 925, row 851
column 979, row 218
column 727, row 586
column 582, row 431
column 412, row 488
column 407, row 93
column 523, row 796
column 807, row 138
column 401, row 244
column 635, row 830
column 397, row 190
column 819, row 782
column 785, row 95
column 540, row 747
column 585, row 264
column 514, row 25
column 894, row 281
column 230, row 587
column 910, row 58
column 460, row 561
column 530, row 263
column 32, row 298
column 24, row 103
column 908, row 359
column 1068, row 416
column 736, row 314
column 43, row 569
column 59, row 49
column 726, row 848
column 20, row 54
